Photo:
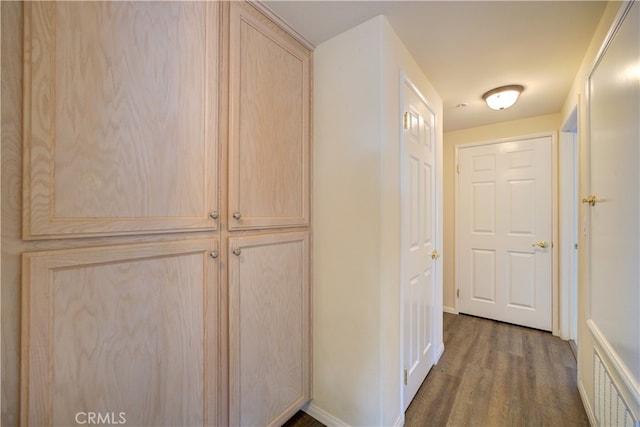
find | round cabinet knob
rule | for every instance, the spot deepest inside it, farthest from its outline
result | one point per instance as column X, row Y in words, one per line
column 213, row 254
column 237, row 251
column 237, row 215
column 214, row 215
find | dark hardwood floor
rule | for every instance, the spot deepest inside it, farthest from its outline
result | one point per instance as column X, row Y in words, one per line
column 494, row 374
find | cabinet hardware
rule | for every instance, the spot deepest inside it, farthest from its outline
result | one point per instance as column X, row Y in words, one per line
column 237, row 215
column 214, row 215
column 237, row 251
column 213, row 254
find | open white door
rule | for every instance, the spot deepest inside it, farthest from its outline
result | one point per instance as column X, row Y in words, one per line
column 419, row 251
column 504, row 249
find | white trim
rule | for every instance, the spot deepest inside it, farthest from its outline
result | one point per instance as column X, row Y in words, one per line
column 323, row 416
column 585, row 402
column 399, row 421
column 568, row 197
column 451, row 310
column 554, row 213
column 630, row 388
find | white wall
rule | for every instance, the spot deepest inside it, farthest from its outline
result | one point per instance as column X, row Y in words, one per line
column 357, row 223
column 577, row 97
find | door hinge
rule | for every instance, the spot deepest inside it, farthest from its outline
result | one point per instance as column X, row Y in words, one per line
column 406, row 120
column 405, row 377
column 575, row 246
column 458, row 293
column 458, row 167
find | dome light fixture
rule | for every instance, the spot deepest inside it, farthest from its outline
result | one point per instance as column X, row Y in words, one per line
column 502, row 97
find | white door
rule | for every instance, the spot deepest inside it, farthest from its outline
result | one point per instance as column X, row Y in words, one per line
column 418, row 240
column 504, row 231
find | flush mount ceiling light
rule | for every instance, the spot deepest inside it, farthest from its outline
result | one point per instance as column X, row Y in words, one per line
column 502, row 97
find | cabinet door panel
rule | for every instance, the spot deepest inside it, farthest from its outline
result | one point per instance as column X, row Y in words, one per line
column 120, row 117
column 127, row 332
column 268, row 328
column 269, row 123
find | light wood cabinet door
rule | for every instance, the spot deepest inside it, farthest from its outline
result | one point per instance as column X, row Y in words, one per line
column 120, row 117
column 127, row 333
column 269, row 84
column 269, row 347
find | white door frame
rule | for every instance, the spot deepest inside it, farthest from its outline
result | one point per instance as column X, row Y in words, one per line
column 568, row 220
column 554, row 216
column 436, row 328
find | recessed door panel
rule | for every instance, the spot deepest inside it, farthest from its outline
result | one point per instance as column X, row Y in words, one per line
column 269, row 109
column 269, row 333
column 483, row 275
column 521, row 277
column 121, row 117
column 483, row 207
column 121, row 330
column 522, row 208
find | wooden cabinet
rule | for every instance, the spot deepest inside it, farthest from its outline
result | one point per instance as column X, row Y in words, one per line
column 127, row 331
column 121, row 129
column 269, row 108
column 269, row 328
column 151, row 317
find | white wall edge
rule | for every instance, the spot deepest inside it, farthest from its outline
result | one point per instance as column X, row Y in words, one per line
column 324, row 417
column 585, row 403
column 400, row 421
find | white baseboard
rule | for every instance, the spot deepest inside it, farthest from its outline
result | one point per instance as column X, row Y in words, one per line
column 585, row 402
column 323, row 416
column 449, row 310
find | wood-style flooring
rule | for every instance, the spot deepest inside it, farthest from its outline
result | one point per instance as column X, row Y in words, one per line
column 494, row 374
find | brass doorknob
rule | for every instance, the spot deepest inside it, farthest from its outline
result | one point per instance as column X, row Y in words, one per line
column 541, row 244
column 589, row 199
column 435, row 255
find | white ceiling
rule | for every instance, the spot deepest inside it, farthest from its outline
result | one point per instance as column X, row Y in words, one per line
column 466, row 48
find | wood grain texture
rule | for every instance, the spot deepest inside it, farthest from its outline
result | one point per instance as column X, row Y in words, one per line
column 269, row 131
column 496, row 374
column 121, row 104
column 121, row 329
column 269, row 328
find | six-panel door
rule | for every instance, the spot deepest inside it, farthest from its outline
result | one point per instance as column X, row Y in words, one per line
column 269, row 84
column 269, row 328
column 127, row 333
